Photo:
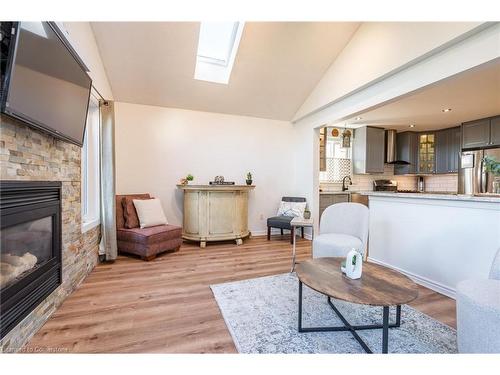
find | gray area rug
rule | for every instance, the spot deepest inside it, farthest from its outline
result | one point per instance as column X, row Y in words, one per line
column 261, row 315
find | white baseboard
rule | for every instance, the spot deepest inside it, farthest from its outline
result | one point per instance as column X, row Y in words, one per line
column 437, row 287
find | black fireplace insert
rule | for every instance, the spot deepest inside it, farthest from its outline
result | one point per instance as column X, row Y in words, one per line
column 30, row 247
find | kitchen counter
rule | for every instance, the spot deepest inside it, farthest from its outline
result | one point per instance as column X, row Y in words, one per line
column 436, row 239
column 336, row 192
column 439, row 196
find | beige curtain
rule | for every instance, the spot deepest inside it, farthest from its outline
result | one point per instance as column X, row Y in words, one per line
column 108, row 246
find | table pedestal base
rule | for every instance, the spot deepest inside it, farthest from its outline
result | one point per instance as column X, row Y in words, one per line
column 348, row 327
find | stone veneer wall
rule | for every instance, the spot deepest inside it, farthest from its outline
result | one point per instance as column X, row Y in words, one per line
column 27, row 154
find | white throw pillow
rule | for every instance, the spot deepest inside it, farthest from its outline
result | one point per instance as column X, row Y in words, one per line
column 292, row 209
column 149, row 212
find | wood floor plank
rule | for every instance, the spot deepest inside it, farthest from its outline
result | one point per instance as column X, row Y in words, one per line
column 166, row 305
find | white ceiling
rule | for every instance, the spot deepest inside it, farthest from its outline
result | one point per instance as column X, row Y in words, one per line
column 277, row 66
column 471, row 95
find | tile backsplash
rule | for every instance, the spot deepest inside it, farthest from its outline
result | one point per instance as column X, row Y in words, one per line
column 448, row 182
column 442, row 182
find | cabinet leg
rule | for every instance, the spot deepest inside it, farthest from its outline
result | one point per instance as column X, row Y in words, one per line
column 239, row 241
column 203, row 244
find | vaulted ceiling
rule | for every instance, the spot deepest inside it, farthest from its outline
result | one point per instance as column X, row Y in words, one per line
column 469, row 95
column 277, row 65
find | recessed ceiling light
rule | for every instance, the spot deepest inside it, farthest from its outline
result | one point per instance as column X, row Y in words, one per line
column 358, row 118
column 412, row 125
column 446, row 110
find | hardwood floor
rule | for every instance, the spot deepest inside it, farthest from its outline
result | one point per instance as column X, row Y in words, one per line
column 166, row 305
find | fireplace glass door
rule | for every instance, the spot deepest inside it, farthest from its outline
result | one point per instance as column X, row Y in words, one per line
column 24, row 247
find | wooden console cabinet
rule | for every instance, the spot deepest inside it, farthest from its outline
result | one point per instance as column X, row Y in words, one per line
column 215, row 213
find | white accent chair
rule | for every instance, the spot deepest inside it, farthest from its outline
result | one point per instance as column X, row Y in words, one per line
column 478, row 312
column 343, row 226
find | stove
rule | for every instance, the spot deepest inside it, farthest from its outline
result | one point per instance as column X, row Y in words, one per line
column 385, row 185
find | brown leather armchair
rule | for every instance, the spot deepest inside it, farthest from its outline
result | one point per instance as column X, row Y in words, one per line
column 145, row 242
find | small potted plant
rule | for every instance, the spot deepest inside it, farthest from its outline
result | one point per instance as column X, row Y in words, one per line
column 249, row 178
column 189, row 178
column 493, row 166
column 307, row 213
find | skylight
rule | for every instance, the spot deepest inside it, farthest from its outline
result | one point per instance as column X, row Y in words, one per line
column 217, row 47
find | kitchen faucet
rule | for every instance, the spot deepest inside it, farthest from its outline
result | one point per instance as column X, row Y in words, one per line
column 344, row 188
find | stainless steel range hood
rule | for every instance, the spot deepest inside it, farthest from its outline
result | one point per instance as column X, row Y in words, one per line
column 391, row 149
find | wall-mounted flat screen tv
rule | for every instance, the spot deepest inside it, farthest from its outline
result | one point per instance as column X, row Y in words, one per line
column 45, row 84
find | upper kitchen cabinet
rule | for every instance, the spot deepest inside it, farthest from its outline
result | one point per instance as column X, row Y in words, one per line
column 406, row 150
column 426, row 153
column 454, row 148
column 441, row 139
column 476, row 133
column 368, row 150
column 495, row 131
column 447, row 150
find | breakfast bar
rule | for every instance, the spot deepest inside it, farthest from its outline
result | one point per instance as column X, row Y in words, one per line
column 437, row 239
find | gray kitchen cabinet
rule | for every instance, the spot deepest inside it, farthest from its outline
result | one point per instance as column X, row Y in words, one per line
column 426, row 153
column 368, row 150
column 326, row 200
column 442, row 146
column 406, row 150
column 495, row 131
column 447, row 150
column 454, row 148
column 476, row 133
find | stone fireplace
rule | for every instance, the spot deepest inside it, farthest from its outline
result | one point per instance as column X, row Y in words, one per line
column 28, row 156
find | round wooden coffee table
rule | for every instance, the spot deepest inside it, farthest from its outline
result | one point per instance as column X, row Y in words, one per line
column 378, row 286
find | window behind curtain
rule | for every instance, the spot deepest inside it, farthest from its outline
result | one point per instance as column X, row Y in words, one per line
column 338, row 161
column 90, row 167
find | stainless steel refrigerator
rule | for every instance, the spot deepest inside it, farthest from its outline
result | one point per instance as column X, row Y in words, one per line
column 472, row 176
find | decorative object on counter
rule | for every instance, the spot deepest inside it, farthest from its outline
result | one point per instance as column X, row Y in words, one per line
column 353, row 266
column 249, row 179
column 491, row 165
column 346, row 138
column 222, row 183
column 307, row 214
column 335, row 132
column 185, row 180
column 219, row 180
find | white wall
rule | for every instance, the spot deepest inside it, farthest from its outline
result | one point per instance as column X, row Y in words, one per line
column 376, row 49
column 83, row 41
column 156, row 146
